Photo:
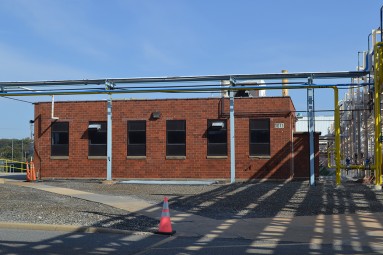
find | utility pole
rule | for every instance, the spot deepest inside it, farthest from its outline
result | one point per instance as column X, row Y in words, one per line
column 12, row 149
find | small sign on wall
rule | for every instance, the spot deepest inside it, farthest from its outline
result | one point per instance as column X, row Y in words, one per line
column 279, row 125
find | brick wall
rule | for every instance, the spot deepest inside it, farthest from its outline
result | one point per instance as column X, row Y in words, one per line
column 302, row 154
column 194, row 111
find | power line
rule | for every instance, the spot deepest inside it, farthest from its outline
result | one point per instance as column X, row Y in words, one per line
column 20, row 100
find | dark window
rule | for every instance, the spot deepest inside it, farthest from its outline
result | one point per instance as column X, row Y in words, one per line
column 97, row 138
column 260, row 137
column 216, row 138
column 60, row 139
column 137, row 138
column 175, row 138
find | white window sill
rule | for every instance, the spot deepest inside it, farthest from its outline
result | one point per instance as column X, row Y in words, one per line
column 176, row 157
column 97, row 157
column 136, row 157
column 216, row 157
column 59, row 157
column 260, row 157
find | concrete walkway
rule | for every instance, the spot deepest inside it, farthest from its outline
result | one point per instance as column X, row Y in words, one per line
column 353, row 229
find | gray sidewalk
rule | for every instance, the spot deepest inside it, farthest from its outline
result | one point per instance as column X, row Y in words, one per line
column 352, row 229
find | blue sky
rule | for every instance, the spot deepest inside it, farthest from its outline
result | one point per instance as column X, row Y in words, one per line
column 71, row 39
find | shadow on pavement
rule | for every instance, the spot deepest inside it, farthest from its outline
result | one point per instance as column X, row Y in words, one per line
column 334, row 228
column 13, row 176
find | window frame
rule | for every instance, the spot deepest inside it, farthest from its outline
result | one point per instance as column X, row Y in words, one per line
column 175, row 149
column 211, row 152
column 55, row 146
column 98, row 149
column 131, row 151
column 254, row 147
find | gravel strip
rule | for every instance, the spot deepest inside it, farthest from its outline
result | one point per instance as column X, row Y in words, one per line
column 21, row 204
column 240, row 200
column 244, row 200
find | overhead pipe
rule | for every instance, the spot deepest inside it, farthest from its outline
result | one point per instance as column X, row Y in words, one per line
column 267, row 76
column 162, row 90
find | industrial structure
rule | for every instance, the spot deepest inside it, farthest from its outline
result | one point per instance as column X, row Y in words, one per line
column 172, row 139
column 354, row 141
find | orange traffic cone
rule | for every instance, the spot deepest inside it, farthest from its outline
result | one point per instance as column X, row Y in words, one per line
column 28, row 172
column 33, row 171
column 165, row 227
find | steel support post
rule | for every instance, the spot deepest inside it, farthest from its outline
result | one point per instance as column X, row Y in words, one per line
column 310, row 115
column 232, row 137
column 378, row 49
column 109, row 140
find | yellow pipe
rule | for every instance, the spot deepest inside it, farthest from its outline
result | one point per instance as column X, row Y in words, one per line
column 285, row 92
column 360, row 167
column 337, row 136
column 377, row 114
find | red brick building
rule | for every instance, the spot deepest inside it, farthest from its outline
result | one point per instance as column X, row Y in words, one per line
column 171, row 139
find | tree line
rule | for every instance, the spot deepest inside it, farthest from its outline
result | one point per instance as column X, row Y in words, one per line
column 16, row 149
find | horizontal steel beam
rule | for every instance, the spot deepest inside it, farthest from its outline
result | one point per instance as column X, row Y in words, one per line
column 270, row 76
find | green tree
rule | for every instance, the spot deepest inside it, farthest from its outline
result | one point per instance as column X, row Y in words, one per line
column 22, row 149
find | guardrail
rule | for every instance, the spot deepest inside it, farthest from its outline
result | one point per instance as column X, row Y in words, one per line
column 12, row 166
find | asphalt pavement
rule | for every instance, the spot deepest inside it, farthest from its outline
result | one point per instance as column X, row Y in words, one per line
column 59, row 242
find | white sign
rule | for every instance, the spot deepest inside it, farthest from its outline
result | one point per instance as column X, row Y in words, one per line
column 279, row 125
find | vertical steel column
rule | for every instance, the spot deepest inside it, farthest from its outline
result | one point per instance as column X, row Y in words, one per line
column 232, row 136
column 109, row 140
column 310, row 115
column 353, row 126
column 377, row 112
column 365, row 96
column 337, row 136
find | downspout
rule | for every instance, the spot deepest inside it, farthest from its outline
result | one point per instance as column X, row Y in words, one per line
column 53, row 109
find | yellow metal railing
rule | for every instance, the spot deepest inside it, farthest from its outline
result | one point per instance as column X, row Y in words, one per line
column 10, row 166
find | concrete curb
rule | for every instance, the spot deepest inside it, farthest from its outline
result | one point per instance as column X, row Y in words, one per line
column 69, row 228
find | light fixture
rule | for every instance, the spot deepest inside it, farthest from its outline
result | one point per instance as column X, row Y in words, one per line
column 218, row 124
column 156, row 115
column 94, row 126
column 299, row 115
